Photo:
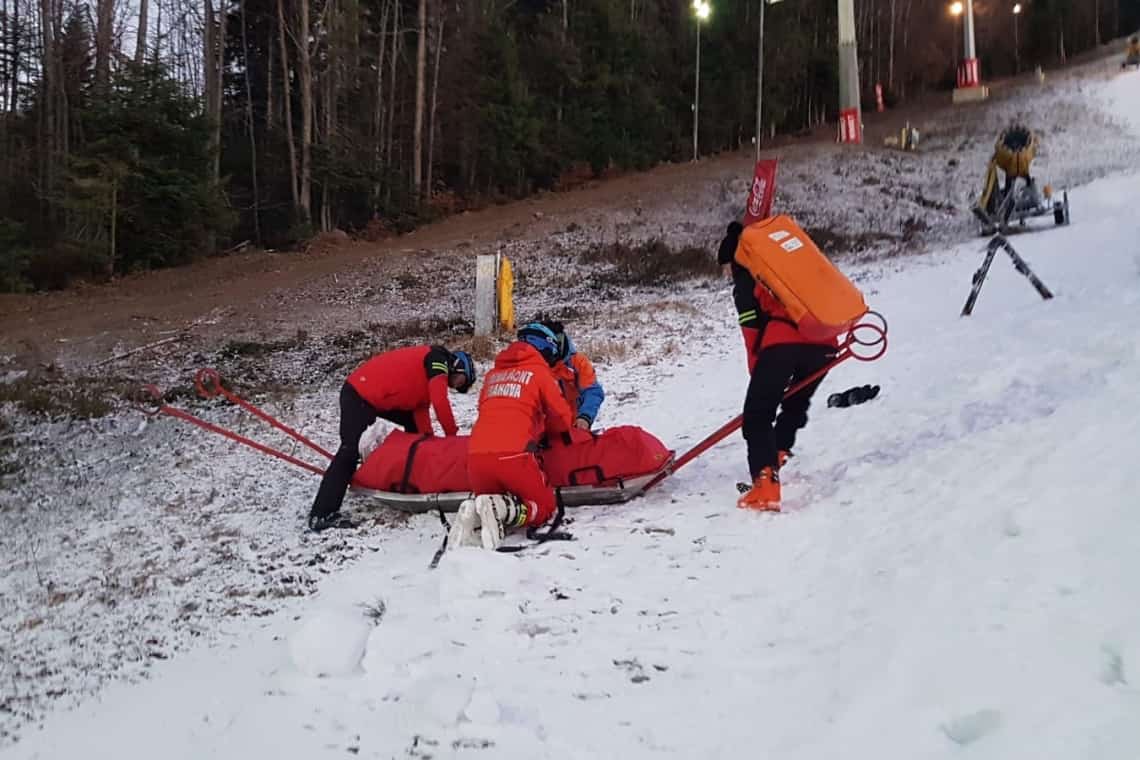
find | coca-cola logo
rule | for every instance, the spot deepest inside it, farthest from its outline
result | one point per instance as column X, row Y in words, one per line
column 759, row 188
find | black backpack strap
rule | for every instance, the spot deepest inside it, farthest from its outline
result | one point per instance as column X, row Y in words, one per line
column 408, row 464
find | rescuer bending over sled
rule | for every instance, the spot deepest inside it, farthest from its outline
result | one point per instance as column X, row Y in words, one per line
column 519, row 403
column 398, row 386
column 576, row 378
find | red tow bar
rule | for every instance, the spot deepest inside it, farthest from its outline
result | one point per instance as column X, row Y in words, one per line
column 209, row 385
column 852, row 348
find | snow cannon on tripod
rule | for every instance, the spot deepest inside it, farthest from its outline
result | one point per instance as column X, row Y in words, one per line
column 1017, row 198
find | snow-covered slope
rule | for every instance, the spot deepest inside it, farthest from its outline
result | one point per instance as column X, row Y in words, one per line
column 955, row 568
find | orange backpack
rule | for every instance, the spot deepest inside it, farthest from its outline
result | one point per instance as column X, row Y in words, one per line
column 819, row 298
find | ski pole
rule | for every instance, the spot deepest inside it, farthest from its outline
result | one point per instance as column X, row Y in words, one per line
column 209, row 385
column 847, row 351
column 162, row 408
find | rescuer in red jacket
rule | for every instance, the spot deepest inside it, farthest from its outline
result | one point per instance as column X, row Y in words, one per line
column 520, row 402
column 398, row 386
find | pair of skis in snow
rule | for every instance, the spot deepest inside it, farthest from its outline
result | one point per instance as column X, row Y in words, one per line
column 999, row 243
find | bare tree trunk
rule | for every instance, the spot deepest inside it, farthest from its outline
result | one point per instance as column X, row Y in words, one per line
column 104, row 38
column 140, row 40
column 48, row 83
column 891, row 53
column 252, row 133
column 287, row 99
column 1096, row 22
column 418, row 129
column 1061, row 38
column 13, row 83
column 561, row 86
column 392, row 88
column 270, row 103
column 433, row 126
column 378, row 106
column 157, row 32
column 305, row 74
column 220, row 83
column 213, row 90
column 5, row 20
column 14, row 72
column 906, row 46
column 330, row 92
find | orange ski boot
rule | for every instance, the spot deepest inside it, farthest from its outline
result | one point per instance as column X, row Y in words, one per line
column 765, row 493
column 782, row 457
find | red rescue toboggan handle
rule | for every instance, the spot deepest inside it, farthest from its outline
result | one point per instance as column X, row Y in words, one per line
column 850, row 349
column 209, row 385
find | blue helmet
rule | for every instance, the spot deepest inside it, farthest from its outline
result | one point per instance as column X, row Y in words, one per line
column 542, row 338
column 461, row 361
column 559, row 331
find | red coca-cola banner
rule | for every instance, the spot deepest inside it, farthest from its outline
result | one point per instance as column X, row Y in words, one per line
column 759, row 204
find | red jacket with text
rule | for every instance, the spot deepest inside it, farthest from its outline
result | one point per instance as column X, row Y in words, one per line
column 519, row 402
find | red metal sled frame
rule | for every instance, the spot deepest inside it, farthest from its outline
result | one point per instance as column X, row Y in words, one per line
column 572, row 496
column 849, row 349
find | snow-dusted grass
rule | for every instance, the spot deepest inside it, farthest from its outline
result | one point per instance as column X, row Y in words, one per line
column 953, row 568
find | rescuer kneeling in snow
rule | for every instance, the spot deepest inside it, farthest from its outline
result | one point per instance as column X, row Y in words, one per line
column 398, row 386
column 520, row 402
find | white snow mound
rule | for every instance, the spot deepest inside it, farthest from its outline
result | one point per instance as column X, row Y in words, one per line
column 330, row 644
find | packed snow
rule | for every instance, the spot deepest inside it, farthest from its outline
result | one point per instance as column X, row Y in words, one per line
column 953, row 569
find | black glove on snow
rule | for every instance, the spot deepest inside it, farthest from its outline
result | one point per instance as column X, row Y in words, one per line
column 853, row 396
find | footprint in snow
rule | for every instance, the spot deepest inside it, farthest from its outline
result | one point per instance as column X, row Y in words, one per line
column 969, row 728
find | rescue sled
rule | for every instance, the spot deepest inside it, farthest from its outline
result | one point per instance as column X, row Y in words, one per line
column 619, row 492
column 419, row 473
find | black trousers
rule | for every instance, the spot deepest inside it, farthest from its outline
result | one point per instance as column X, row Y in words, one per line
column 778, row 368
column 356, row 415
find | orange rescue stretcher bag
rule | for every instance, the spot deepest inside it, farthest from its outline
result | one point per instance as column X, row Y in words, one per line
column 818, row 297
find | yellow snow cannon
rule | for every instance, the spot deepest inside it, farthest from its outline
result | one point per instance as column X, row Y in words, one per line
column 1017, row 198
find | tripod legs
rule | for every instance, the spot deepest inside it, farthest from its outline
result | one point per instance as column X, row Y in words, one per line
column 999, row 243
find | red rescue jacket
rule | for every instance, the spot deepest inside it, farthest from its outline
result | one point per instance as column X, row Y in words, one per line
column 520, row 401
column 409, row 380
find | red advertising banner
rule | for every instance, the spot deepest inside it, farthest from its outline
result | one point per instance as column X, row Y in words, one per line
column 763, row 190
